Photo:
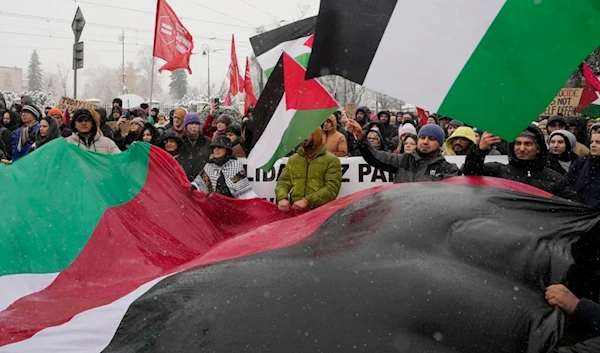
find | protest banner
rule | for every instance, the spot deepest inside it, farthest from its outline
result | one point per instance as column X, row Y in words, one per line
column 565, row 102
column 357, row 175
column 72, row 104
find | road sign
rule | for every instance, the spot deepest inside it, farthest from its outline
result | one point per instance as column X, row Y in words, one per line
column 78, row 56
column 78, row 24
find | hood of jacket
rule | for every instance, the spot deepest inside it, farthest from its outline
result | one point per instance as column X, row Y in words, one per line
column 366, row 111
column 464, row 132
column 53, row 132
column 173, row 136
column 103, row 115
column 382, row 146
column 539, row 162
column 386, row 113
column 14, row 121
column 153, row 130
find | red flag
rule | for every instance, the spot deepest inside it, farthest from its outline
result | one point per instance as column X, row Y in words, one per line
column 227, row 102
column 172, row 42
column 236, row 84
column 592, row 84
column 422, row 116
column 250, row 99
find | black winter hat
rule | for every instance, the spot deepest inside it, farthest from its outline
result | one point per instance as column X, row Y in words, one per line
column 558, row 119
column 222, row 141
column 234, row 129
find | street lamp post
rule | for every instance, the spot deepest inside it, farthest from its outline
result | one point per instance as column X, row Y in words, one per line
column 206, row 51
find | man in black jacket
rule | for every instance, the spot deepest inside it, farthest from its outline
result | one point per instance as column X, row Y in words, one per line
column 425, row 164
column 526, row 163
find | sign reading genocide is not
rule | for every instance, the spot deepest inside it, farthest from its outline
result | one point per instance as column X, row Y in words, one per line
column 565, row 102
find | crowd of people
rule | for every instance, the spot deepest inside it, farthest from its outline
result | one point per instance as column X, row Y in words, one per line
column 560, row 155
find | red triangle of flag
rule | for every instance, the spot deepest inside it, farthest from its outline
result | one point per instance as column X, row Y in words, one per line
column 588, row 96
column 303, row 94
column 309, row 41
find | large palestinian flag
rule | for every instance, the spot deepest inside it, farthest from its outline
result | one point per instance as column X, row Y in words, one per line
column 294, row 39
column 471, row 60
column 288, row 110
column 115, row 254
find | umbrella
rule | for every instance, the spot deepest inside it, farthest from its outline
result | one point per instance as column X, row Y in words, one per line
column 234, row 114
column 131, row 101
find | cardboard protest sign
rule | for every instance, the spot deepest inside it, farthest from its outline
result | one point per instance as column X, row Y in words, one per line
column 565, row 102
column 72, row 104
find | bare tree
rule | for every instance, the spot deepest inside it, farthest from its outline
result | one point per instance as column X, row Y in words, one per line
column 63, row 76
column 577, row 80
column 345, row 91
column 146, row 70
column 102, row 83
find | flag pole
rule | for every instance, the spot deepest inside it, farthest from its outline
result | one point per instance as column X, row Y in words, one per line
column 151, row 82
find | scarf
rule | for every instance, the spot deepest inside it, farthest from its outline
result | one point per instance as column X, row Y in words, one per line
column 26, row 136
column 221, row 161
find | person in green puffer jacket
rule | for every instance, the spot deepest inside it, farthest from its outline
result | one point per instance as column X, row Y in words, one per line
column 311, row 178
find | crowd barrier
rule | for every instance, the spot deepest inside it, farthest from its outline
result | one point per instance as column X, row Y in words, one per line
column 357, row 175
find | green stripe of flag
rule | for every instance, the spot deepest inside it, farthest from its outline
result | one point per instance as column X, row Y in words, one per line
column 36, row 241
column 302, row 124
column 545, row 43
column 301, row 59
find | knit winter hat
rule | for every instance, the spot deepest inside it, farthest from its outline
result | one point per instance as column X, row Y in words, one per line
column 55, row 111
column 407, row 129
column 456, row 123
column 570, row 139
column 141, row 122
column 557, row 119
column 191, row 118
column 433, row 130
column 33, row 110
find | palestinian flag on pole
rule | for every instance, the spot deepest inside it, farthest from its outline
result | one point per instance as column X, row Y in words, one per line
column 590, row 90
column 493, row 64
column 289, row 109
column 294, row 39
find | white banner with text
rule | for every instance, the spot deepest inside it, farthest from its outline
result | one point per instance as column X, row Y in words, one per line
column 357, row 175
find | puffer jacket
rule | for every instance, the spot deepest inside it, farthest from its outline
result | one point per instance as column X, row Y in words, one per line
column 319, row 181
column 335, row 141
column 409, row 168
column 533, row 173
column 98, row 144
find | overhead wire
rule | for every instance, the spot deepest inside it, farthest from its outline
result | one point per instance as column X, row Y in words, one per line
column 153, row 13
column 262, row 10
column 120, row 28
column 221, row 12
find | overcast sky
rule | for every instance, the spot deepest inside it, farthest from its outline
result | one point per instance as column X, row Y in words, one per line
column 26, row 25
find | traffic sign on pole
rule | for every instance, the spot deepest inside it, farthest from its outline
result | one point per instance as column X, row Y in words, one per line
column 78, row 24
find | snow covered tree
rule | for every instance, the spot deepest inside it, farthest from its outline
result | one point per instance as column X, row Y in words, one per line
column 34, row 72
column 179, row 85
